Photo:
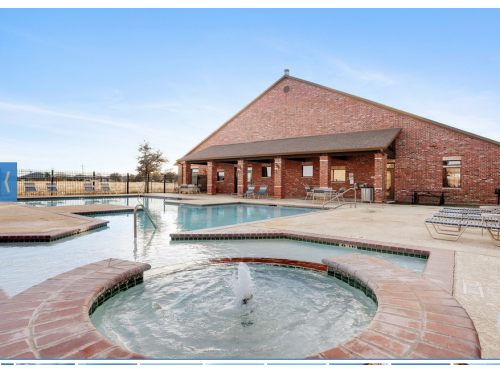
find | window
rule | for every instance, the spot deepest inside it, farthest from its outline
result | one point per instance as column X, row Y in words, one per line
column 249, row 175
column 307, row 171
column 452, row 173
column 266, row 171
column 338, row 175
column 220, row 176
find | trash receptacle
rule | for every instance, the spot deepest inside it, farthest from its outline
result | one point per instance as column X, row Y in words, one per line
column 367, row 194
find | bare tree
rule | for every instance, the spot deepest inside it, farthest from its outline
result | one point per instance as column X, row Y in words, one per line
column 149, row 161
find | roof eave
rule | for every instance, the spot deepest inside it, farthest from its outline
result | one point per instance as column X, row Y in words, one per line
column 283, row 153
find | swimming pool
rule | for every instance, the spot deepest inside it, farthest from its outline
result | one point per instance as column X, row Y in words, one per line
column 25, row 264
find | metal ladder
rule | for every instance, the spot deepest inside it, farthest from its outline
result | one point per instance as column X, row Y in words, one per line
column 140, row 189
column 135, row 218
column 342, row 196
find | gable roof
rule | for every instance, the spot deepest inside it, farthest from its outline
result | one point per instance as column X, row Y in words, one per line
column 339, row 142
column 489, row 140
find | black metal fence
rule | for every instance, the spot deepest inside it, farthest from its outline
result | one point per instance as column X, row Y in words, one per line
column 32, row 182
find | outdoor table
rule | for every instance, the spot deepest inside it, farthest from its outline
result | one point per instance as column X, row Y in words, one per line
column 428, row 193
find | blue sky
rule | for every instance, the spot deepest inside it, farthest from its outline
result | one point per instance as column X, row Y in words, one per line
column 86, row 86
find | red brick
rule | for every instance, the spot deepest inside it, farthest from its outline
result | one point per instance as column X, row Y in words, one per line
column 25, row 355
column 466, row 347
column 69, row 346
column 435, row 352
column 396, row 347
column 446, row 310
column 91, row 350
column 13, row 325
column 398, row 320
column 15, row 335
column 364, row 350
column 52, row 315
column 57, row 305
column 399, row 302
column 466, row 334
column 394, row 331
column 16, row 315
column 453, row 320
column 19, row 306
column 62, row 334
column 58, row 324
column 337, row 353
column 416, row 314
column 12, row 349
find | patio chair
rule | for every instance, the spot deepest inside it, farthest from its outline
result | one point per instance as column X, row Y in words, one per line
column 88, row 187
column 470, row 210
column 106, row 189
column 249, row 192
column 262, row 191
column 183, row 188
column 29, row 188
column 309, row 192
column 318, row 195
column 452, row 229
column 192, row 189
column 52, row 188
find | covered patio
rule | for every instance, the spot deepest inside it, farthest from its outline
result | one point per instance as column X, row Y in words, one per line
column 336, row 161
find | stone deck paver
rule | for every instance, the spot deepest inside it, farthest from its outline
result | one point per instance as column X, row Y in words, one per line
column 51, row 320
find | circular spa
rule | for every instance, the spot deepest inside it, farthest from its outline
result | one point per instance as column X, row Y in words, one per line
column 245, row 310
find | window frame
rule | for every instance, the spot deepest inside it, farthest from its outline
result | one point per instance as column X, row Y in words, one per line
column 447, row 167
column 268, row 169
column 219, row 175
column 312, row 171
column 333, row 176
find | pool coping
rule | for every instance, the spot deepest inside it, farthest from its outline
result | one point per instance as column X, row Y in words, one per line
column 51, row 320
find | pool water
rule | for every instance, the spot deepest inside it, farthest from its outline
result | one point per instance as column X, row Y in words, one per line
column 25, row 264
column 193, row 314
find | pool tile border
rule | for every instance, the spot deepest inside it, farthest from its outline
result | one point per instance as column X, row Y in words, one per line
column 51, row 320
column 439, row 268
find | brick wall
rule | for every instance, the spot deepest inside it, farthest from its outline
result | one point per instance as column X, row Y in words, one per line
column 310, row 110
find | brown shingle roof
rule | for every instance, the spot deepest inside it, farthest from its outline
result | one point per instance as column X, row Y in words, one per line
column 341, row 142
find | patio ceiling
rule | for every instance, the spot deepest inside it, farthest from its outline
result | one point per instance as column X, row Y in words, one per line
column 371, row 140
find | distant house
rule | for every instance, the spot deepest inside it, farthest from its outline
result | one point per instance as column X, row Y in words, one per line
column 300, row 133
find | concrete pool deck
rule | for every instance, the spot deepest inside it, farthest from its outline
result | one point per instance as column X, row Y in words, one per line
column 21, row 222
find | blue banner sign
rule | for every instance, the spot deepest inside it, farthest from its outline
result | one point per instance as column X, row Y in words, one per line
column 8, row 182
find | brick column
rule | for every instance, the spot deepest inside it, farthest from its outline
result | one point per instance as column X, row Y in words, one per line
column 379, row 182
column 186, row 173
column 242, row 176
column 211, row 178
column 325, row 166
column 279, row 178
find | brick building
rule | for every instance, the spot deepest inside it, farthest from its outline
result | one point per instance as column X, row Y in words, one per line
column 300, row 133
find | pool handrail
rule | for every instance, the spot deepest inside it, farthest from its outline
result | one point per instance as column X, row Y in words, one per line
column 135, row 218
column 341, row 195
